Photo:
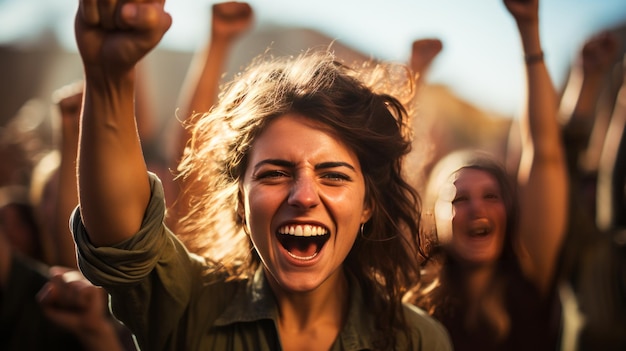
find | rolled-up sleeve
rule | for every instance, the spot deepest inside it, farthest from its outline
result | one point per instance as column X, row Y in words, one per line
column 149, row 276
column 131, row 260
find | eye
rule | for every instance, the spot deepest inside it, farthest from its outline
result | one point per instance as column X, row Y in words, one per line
column 459, row 199
column 335, row 177
column 492, row 196
column 271, row 175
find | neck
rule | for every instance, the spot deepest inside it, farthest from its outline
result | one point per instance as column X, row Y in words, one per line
column 477, row 280
column 485, row 300
column 326, row 305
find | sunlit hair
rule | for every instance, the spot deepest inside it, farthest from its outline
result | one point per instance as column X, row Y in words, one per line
column 360, row 107
column 440, row 292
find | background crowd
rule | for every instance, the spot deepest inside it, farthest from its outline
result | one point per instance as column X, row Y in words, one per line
column 575, row 227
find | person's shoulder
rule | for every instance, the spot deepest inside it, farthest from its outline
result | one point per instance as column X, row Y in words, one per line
column 427, row 333
column 418, row 317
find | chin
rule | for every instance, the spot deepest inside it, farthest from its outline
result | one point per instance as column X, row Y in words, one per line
column 298, row 282
column 480, row 261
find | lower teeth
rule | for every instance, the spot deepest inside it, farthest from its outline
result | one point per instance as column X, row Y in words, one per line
column 302, row 258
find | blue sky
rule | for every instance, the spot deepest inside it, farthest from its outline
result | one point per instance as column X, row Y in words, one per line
column 481, row 60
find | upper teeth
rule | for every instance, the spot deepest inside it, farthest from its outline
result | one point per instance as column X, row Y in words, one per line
column 480, row 227
column 302, row 230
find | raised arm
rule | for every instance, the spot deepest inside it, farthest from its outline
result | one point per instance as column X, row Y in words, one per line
column 229, row 21
column 423, row 52
column 585, row 119
column 542, row 175
column 112, row 36
column 611, row 200
column 201, row 86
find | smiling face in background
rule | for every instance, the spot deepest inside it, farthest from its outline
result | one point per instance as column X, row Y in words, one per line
column 303, row 195
column 471, row 217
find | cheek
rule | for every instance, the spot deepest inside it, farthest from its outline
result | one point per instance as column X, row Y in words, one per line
column 347, row 208
column 444, row 216
column 257, row 216
column 502, row 219
column 258, row 205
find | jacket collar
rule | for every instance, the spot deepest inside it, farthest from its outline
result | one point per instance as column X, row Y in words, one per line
column 256, row 302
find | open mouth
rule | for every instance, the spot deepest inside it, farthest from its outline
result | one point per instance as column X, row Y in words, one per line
column 479, row 228
column 303, row 242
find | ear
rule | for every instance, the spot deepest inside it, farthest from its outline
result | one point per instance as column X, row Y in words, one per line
column 368, row 209
column 241, row 213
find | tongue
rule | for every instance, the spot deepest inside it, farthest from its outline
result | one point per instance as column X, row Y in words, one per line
column 300, row 246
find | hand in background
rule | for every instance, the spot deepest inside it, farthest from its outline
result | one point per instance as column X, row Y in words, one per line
column 72, row 302
column 230, row 20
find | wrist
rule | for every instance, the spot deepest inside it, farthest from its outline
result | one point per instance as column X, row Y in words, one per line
column 109, row 85
column 220, row 41
column 95, row 76
column 534, row 58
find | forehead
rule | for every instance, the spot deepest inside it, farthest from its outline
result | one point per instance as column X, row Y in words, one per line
column 472, row 178
column 294, row 136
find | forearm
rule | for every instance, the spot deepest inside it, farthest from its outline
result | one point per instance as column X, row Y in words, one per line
column 540, row 121
column 228, row 21
column 202, row 81
column 201, row 85
column 199, row 94
column 112, row 175
column 542, row 174
column 581, row 121
column 589, row 95
column 540, row 124
column 577, row 111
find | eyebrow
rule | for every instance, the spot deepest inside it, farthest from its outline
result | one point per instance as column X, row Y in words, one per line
column 284, row 163
column 324, row 165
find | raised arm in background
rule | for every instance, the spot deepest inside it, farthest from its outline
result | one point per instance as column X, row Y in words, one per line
column 423, row 52
column 68, row 101
column 228, row 22
column 611, row 197
column 73, row 303
column 200, row 89
column 585, row 111
column 580, row 108
column 542, row 176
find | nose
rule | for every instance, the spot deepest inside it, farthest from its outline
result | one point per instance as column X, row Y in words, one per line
column 477, row 208
column 304, row 193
